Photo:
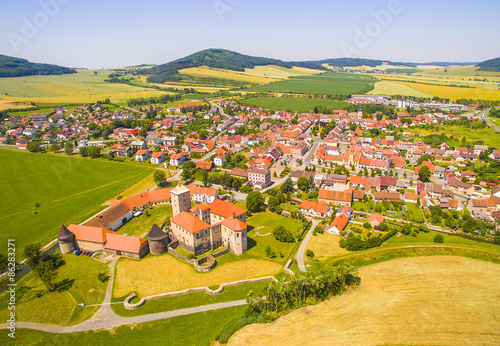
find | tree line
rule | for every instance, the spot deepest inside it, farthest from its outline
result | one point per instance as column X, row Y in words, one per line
column 290, row 294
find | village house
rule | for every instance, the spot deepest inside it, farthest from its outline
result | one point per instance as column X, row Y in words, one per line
column 158, row 158
column 143, row 155
column 314, row 209
column 177, row 159
column 260, row 178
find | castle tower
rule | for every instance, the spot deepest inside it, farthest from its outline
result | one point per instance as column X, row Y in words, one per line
column 181, row 199
column 66, row 241
column 158, row 241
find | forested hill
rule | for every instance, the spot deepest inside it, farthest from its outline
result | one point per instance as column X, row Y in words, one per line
column 16, row 67
column 215, row 58
column 492, row 65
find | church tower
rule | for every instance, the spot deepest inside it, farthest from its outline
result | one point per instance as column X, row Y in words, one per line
column 181, row 199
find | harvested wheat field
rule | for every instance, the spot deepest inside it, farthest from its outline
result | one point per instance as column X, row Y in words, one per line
column 439, row 300
column 154, row 275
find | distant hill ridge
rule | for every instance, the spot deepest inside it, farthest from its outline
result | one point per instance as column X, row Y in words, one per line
column 492, row 65
column 229, row 60
column 17, row 67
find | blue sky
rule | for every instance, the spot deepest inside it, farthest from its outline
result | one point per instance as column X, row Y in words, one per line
column 110, row 33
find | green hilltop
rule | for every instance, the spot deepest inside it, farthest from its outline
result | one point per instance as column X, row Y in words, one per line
column 492, row 65
column 17, row 67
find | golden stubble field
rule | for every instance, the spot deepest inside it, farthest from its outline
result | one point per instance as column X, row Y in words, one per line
column 440, row 300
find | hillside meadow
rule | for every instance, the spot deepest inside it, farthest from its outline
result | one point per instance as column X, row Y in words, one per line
column 69, row 190
column 324, row 84
column 411, row 301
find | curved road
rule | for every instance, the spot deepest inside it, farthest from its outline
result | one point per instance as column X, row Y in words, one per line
column 93, row 324
column 300, row 253
column 483, row 116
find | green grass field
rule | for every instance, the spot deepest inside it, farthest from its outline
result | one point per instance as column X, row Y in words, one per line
column 489, row 136
column 415, row 213
column 60, row 307
column 142, row 224
column 325, row 84
column 427, row 238
column 293, row 104
column 195, row 329
column 69, row 190
column 190, row 300
column 261, row 227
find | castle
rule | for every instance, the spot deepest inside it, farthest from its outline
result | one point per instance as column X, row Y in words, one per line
column 206, row 227
column 200, row 229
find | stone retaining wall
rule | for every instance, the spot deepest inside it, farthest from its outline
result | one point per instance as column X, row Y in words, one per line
column 287, row 265
column 208, row 290
column 220, row 253
column 203, row 269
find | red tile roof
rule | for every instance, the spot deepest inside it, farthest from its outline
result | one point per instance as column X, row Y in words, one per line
column 225, row 209
column 124, row 243
column 91, row 234
column 189, row 222
column 234, row 224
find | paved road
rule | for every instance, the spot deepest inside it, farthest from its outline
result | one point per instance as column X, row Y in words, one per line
column 307, row 158
column 483, row 116
column 95, row 324
column 276, row 183
column 302, row 249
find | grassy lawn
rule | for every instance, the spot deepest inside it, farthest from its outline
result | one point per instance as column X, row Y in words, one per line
column 487, row 135
column 325, row 245
column 391, row 307
column 190, row 300
column 360, row 206
column 261, row 227
column 159, row 274
column 60, row 307
column 142, row 224
column 195, row 329
column 415, row 212
column 68, row 190
column 427, row 238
